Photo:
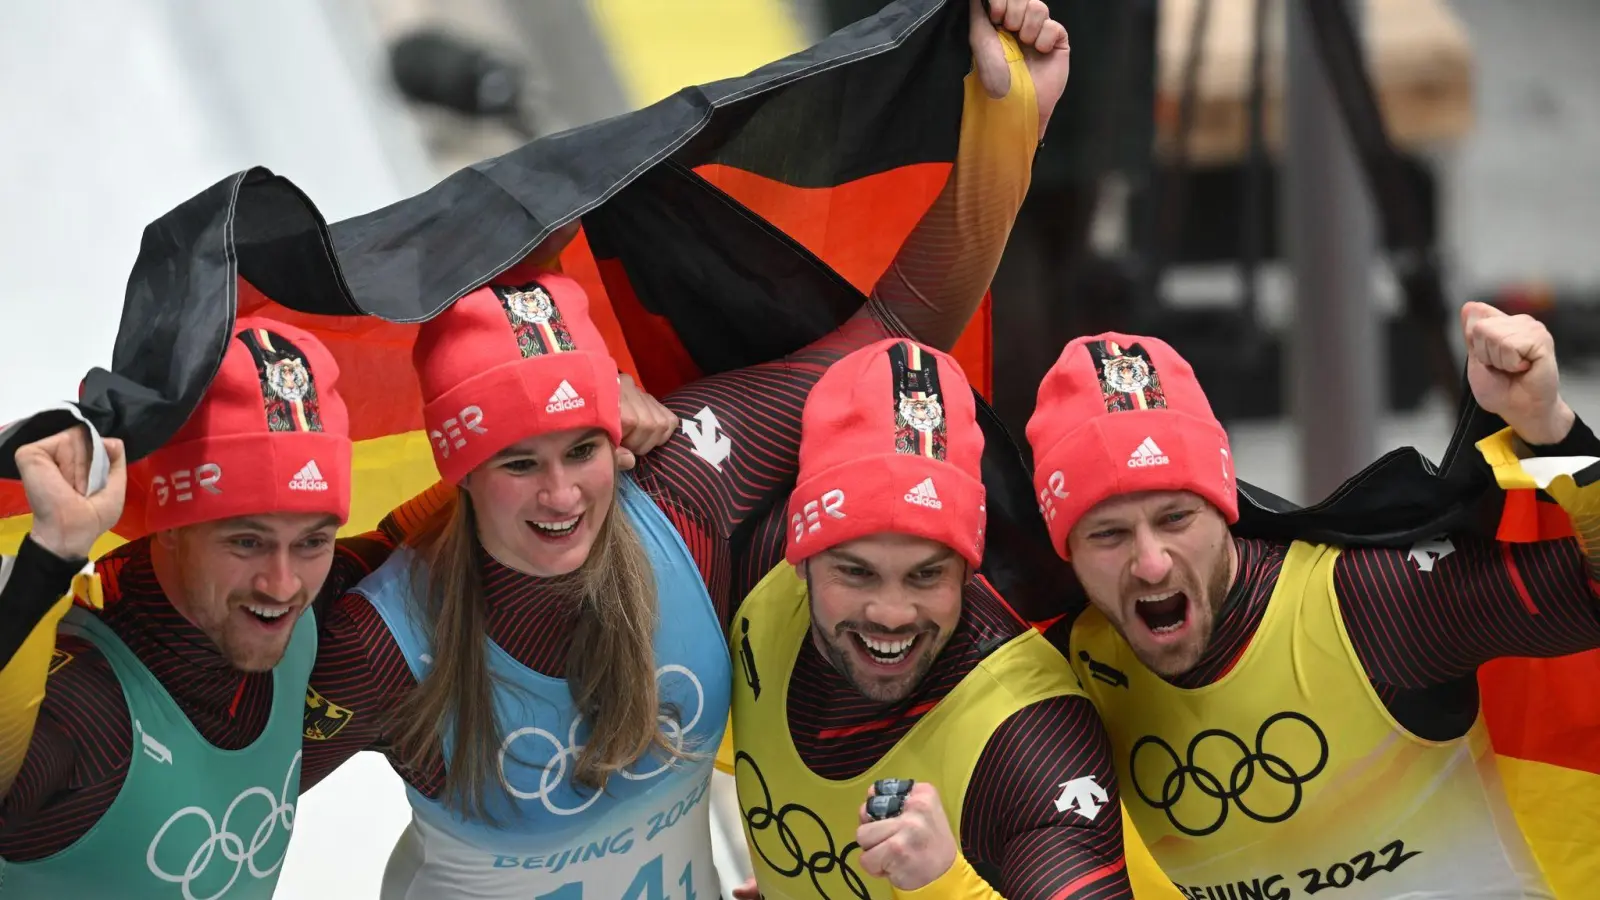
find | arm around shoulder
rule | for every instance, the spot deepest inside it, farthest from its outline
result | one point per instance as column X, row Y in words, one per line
column 360, row 679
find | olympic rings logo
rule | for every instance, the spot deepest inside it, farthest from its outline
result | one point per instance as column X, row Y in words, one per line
column 814, row 862
column 553, row 771
column 222, row 838
column 1239, row 781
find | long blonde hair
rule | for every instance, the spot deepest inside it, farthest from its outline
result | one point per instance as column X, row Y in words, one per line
column 610, row 667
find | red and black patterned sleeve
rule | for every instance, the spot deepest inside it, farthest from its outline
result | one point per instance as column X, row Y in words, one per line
column 359, row 679
column 75, row 762
column 360, row 674
column 1436, row 612
column 1042, row 814
column 1431, row 614
column 47, row 771
column 737, row 454
column 30, row 584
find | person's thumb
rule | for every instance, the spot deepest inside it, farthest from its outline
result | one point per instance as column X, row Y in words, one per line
column 988, row 53
column 1474, row 311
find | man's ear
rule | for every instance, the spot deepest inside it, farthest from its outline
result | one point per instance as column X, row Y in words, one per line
column 167, row 538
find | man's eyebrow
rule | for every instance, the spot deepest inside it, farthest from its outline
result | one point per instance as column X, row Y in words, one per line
column 250, row 523
column 324, row 522
column 847, row 556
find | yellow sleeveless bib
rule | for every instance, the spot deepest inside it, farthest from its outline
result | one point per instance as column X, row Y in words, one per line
column 800, row 826
column 1288, row 776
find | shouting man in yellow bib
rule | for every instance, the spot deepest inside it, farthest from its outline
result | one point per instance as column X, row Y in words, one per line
column 1291, row 717
column 878, row 654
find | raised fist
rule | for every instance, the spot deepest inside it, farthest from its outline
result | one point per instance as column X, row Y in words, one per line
column 1044, row 46
column 55, row 477
column 1511, row 366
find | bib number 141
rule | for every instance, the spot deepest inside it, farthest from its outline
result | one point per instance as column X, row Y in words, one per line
column 648, row 884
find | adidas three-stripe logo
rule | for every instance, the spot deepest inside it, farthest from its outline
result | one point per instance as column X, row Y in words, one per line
column 1147, row 454
column 309, row 478
column 564, row 399
column 924, row 495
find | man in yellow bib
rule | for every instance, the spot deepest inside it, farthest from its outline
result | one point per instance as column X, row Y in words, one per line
column 1289, row 718
column 876, row 652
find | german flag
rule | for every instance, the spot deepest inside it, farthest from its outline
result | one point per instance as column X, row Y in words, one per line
column 728, row 224
column 725, row 225
column 1544, row 714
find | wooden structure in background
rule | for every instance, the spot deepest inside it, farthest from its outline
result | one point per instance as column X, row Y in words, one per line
column 1418, row 50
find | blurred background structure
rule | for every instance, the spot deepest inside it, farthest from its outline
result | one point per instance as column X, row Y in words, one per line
column 115, row 110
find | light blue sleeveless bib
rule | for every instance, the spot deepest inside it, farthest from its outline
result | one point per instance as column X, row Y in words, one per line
column 648, row 834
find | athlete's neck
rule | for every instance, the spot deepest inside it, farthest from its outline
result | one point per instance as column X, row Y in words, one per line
column 1233, row 567
column 531, row 618
column 1232, row 598
column 1231, row 622
column 505, row 583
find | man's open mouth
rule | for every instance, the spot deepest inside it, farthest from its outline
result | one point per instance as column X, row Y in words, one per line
column 887, row 651
column 1164, row 614
column 270, row 616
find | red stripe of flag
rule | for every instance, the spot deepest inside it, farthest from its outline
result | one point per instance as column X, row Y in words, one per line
column 1545, row 710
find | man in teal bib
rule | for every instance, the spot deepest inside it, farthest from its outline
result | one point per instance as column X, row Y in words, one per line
column 165, row 759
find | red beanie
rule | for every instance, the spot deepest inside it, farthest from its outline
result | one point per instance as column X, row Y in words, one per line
column 271, row 435
column 506, row 363
column 1119, row 414
column 889, row 443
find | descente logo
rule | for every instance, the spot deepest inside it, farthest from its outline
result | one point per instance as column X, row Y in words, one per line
column 564, row 399
column 1147, row 454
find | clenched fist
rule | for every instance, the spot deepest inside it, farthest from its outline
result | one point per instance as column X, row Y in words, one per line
column 646, row 424
column 55, row 477
column 913, row 848
column 1511, row 366
column 1044, row 46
